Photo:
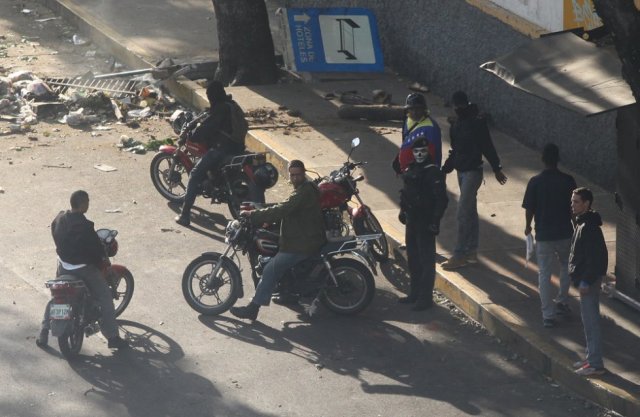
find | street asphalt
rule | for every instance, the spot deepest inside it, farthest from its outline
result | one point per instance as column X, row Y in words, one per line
column 417, row 363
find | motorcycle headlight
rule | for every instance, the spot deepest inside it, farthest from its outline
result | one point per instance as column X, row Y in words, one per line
column 233, row 229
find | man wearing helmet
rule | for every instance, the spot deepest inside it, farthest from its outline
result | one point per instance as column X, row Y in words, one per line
column 423, row 200
column 80, row 253
column 301, row 235
column 215, row 132
column 418, row 125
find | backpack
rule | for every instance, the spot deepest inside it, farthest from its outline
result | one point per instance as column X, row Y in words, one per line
column 239, row 125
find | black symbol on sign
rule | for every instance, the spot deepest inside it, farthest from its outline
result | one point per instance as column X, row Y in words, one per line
column 347, row 28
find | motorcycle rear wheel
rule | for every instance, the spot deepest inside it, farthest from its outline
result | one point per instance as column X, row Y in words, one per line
column 168, row 181
column 355, row 290
column 71, row 340
column 369, row 224
column 195, row 287
column 122, row 289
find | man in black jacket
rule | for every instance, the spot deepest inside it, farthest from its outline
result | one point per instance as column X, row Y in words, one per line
column 81, row 254
column 215, row 132
column 470, row 140
column 423, row 200
column 548, row 201
column 588, row 263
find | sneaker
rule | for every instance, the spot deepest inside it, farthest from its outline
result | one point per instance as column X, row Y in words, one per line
column 563, row 309
column 587, row 370
column 453, row 263
column 116, row 342
column 407, row 300
column 182, row 220
column 549, row 323
column 249, row 312
column 472, row 257
column 580, row 364
column 43, row 338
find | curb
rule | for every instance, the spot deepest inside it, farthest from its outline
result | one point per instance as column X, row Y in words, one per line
column 496, row 319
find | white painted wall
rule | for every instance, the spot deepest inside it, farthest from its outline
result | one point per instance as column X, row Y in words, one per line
column 544, row 13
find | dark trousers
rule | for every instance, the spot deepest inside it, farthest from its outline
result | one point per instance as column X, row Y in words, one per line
column 421, row 254
column 210, row 160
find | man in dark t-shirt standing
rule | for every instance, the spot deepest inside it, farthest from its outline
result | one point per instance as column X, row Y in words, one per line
column 548, row 201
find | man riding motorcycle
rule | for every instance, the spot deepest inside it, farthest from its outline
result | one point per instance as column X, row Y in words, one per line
column 215, row 132
column 80, row 253
column 301, row 236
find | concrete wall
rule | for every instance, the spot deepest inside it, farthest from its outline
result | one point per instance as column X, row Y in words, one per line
column 442, row 43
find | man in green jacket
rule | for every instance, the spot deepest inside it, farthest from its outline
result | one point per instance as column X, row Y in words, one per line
column 301, row 235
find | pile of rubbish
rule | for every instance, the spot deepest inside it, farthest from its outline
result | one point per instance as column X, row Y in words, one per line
column 84, row 100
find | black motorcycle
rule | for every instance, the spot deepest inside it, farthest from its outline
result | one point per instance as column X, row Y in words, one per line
column 339, row 276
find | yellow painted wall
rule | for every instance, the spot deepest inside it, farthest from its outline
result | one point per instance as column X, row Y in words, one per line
column 580, row 13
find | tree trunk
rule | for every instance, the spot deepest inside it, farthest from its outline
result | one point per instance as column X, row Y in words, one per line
column 246, row 53
column 622, row 18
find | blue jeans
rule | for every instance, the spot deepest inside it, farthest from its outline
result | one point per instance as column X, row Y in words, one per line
column 273, row 271
column 590, row 309
column 198, row 174
column 467, row 214
column 546, row 251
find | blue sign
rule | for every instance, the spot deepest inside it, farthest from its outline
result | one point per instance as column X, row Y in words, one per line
column 335, row 39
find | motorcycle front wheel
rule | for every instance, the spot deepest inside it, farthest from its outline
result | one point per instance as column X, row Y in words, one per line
column 121, row 285
column 207, row 294
column 71, row 340
column 369, row 224
column 167, row 177
column 354, row 290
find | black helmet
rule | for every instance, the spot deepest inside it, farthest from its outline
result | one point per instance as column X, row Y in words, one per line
column 179, row 118
column 265, row 175
column 415, row 100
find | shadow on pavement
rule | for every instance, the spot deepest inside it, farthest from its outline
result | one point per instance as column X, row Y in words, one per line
column 147, row 380
column 210, row 224
column 386, row 359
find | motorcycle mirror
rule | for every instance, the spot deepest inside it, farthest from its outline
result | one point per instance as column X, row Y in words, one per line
column 355, row 142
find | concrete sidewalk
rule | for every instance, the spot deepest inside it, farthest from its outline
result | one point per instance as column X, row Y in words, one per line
column 499, row 292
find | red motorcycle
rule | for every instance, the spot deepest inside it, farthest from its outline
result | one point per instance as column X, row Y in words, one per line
column 337, row 190
column 72, row 310
column 242, row 177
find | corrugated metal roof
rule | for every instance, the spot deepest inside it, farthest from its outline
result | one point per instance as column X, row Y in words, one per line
column 568, row 71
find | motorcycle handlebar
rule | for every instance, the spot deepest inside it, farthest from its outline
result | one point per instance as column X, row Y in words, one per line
column 352, row 165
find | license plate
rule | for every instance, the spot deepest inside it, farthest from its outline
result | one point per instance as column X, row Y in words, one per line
column 60, row 311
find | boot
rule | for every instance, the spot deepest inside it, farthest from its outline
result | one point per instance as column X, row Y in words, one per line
column 183, row 219
column 423, row 304
column 285, row 299
column 250, row 312
column 116, row 342
column 410, row 299
column 43, row 338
